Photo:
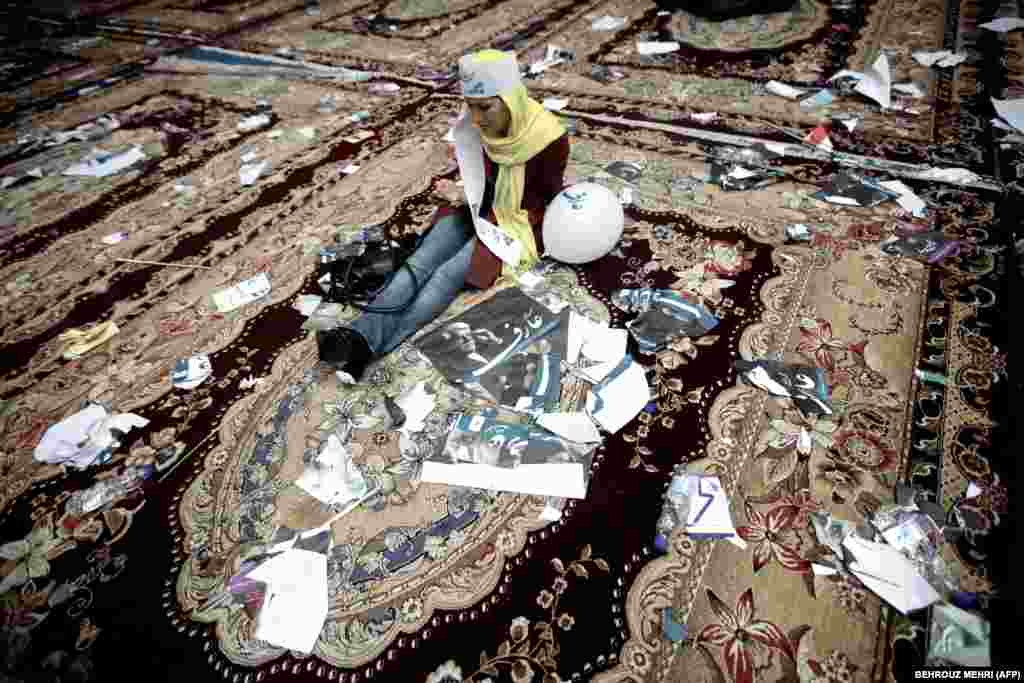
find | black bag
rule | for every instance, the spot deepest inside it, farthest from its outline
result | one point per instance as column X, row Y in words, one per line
column 356, row 279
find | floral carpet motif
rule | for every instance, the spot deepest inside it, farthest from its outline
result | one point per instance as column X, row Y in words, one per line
column 439, row 585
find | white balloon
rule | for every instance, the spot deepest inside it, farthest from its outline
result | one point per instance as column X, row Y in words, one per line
column 583, row 223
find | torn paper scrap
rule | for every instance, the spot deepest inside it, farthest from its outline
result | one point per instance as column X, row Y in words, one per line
column 251, row 123
column 783, row 90
column 664, row 315
column 906, row 199
column 709, row 515
column 973, row 491
column 350, row 169
column 656, row 47
column 552, row 511
column 1011, row 111
column 114, row 238
column 576, row 427
column 912, row 89
column 188, row 373
column 555, row 103
column 940, row 58
column 104, row 165
column 332, row 478
column 296, row 603
column 608, row 23
column 227, row 300
column 620, row 396
column 596, row 341
column 250, row 173
column 417, row 404
column 306, row 304
column 959, row 176
column 890, row 575
column 959, row 637
column 1003, row 24
column 877, row 82
column 822, row 98
column 804, row 384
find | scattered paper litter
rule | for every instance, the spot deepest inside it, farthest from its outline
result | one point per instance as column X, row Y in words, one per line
column 783, row 90
column 350, row 169
column 889, row 574
column 333, row 478
column 1011, row 111
column 850, row 122
column 308, row 132
column 103, row 165
column 307, row 303
column 417, row 404
column 912, row 89
column 251, row 123
column 705, row 117
column 1003, row 24
column 620, row 397
column 449, row 136
column 245, row 292
column 973, row 490
column 274, row 134
column 877, row 82
column 530, row 280
column 250, row 173
column 940, row 58
column 555, row 103
column 576, row 427
column 114, row 238
column 295, row 606
column 951, row 175
column 250, row 157
column 907, row 199
column 709, row 515
column 656, row 47
column 598, row 342
column 608, row 23
column 822, row 98
column 188, row 373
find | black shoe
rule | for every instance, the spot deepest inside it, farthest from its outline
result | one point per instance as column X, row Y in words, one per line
column 345, row 350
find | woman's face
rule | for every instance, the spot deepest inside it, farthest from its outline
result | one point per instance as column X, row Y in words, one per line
column 490, row 115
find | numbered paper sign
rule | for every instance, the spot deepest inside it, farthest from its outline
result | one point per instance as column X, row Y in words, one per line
column 709, row 509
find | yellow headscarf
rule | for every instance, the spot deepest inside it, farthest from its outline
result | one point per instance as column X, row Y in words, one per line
column 531, row 130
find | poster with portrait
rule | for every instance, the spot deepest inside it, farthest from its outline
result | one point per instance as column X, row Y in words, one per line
column 507, row 349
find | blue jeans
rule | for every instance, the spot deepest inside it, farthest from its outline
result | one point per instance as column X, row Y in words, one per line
column 440, row 264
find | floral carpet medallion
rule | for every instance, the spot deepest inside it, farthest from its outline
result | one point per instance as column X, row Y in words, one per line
column 410, row 549
column 754, row 32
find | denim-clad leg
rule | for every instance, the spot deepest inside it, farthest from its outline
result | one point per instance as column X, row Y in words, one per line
column 440, row 264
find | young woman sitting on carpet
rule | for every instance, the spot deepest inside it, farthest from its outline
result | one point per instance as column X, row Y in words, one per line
column 525, row 152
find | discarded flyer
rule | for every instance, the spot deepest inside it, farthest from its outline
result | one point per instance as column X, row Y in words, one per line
column 649, row 48
column 386, row 88
column 819, row 138
column 416, row 404
column 939, row 58
column 783, row 90
column 333, row 478
column 804, row 384
column 114, row 238
column 704, row 117
column 911, row 89
column 482, row 452
column 620, row 396
column 103, row 165
column 606, row 74
column 931, row 247
column 906, row 197
column 555, row 103
column 798, row 232
column 664, row 315
column 553, row 57
column 709, row 515
column 307, row 304
column 596, row 341
column 822, row 98
column 1003, row 24
column 608, row 23
column 250, row 173
column 959, row 176
column 227, row 300
column 296, row 603
column 734, row 177
column 251, row 123
column 849, row 189
column 577, row 427
column 1011, row 111
column 889, row 574
column 877, row 82
column 349, row 169
column 188, row 373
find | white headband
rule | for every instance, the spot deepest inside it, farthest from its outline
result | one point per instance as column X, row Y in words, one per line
column 488, row 79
